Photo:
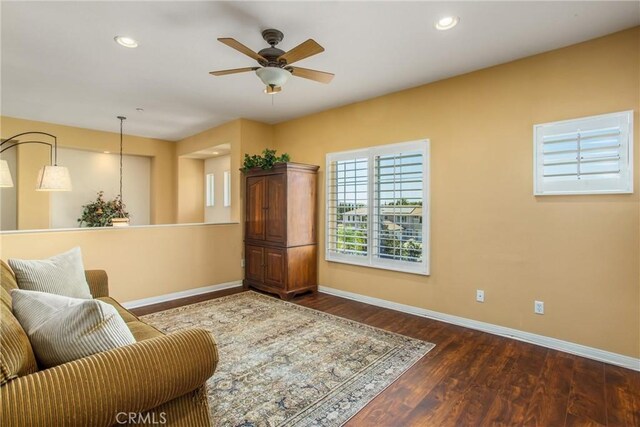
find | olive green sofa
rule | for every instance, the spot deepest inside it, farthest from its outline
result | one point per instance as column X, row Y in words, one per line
column 159, row 380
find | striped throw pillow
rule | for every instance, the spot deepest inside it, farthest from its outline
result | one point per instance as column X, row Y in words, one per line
column 61, row 274
column 63, row 329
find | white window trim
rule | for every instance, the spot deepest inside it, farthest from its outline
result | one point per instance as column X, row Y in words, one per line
column 422, row 268
column 538, row 189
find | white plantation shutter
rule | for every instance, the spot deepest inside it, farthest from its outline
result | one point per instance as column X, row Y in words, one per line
column 398, row 206
column 377, row 207
column 589, row 155
column 347, row 205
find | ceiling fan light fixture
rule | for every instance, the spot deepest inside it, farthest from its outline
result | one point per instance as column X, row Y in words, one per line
column 447, row 22
column 273, row 76
column 272, row 90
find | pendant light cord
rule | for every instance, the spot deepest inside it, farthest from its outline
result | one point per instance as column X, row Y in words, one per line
column 122, row 119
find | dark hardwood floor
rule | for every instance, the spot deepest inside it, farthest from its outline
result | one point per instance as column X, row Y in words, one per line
column 473, row 378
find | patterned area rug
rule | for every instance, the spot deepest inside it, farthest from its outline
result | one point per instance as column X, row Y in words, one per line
column 282, row 364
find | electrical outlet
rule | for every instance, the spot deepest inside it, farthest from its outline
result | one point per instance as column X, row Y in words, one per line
column 480, row 295
column 538, row 307
column 242, row 263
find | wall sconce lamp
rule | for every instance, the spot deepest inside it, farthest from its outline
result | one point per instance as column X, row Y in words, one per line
column 50, row 178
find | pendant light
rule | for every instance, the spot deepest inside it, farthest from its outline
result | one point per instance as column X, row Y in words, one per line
column 120, row 222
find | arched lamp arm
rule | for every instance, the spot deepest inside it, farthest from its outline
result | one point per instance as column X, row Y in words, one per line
column 53, row 148
column 33, row 142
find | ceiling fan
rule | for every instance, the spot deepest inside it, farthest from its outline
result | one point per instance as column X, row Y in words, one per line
column 275, row 64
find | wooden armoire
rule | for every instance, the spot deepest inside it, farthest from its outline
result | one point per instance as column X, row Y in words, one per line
column 281, row 244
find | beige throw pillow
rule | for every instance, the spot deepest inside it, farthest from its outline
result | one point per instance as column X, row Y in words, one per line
column 63, row 329
column 61, row 274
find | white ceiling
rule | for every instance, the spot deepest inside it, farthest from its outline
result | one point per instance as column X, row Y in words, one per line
column 60, row 63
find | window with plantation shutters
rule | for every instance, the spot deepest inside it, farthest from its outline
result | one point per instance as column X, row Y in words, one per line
column 377, row 207
column 589, row 155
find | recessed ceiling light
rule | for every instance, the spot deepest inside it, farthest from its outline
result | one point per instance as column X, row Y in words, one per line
column 107, row 152
column 140, row 109
column 447, row 22
column 126, row 41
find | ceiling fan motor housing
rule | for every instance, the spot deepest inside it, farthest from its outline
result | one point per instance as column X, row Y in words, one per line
column 271, row 54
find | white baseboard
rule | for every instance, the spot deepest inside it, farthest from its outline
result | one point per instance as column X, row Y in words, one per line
column 182, row 294
column 556, row 344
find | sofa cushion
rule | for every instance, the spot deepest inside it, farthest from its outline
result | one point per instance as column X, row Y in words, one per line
column 63, row 329
column 16, row 355
column 61, row 274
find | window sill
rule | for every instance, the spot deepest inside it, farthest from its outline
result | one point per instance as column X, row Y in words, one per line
column 423, row 270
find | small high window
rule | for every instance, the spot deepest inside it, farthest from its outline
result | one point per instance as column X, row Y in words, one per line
column 589, row 155
column 210, row 194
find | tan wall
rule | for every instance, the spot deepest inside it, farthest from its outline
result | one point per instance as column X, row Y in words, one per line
column 256, row 136
column 227, row 133
column 33, row 208
column 143, row 261
column 579, row 254
column 190, row 190
column 245, row 137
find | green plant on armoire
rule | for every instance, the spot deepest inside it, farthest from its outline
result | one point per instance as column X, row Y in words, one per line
column 266, row 161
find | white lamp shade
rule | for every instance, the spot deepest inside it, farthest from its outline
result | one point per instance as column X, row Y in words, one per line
column 53, row 178
column 273, row 76
column 5, row 175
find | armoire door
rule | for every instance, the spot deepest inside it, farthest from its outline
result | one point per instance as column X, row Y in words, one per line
column 256, row 208
column 254, row 263
column 276, row 230
column 275, row 268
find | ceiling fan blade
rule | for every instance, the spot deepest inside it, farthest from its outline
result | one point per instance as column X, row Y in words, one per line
column 303, row 50
column 235, row 44
column 233, row 71
column 305, row 73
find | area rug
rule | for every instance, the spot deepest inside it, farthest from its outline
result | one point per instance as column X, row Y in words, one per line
column 282, row 364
